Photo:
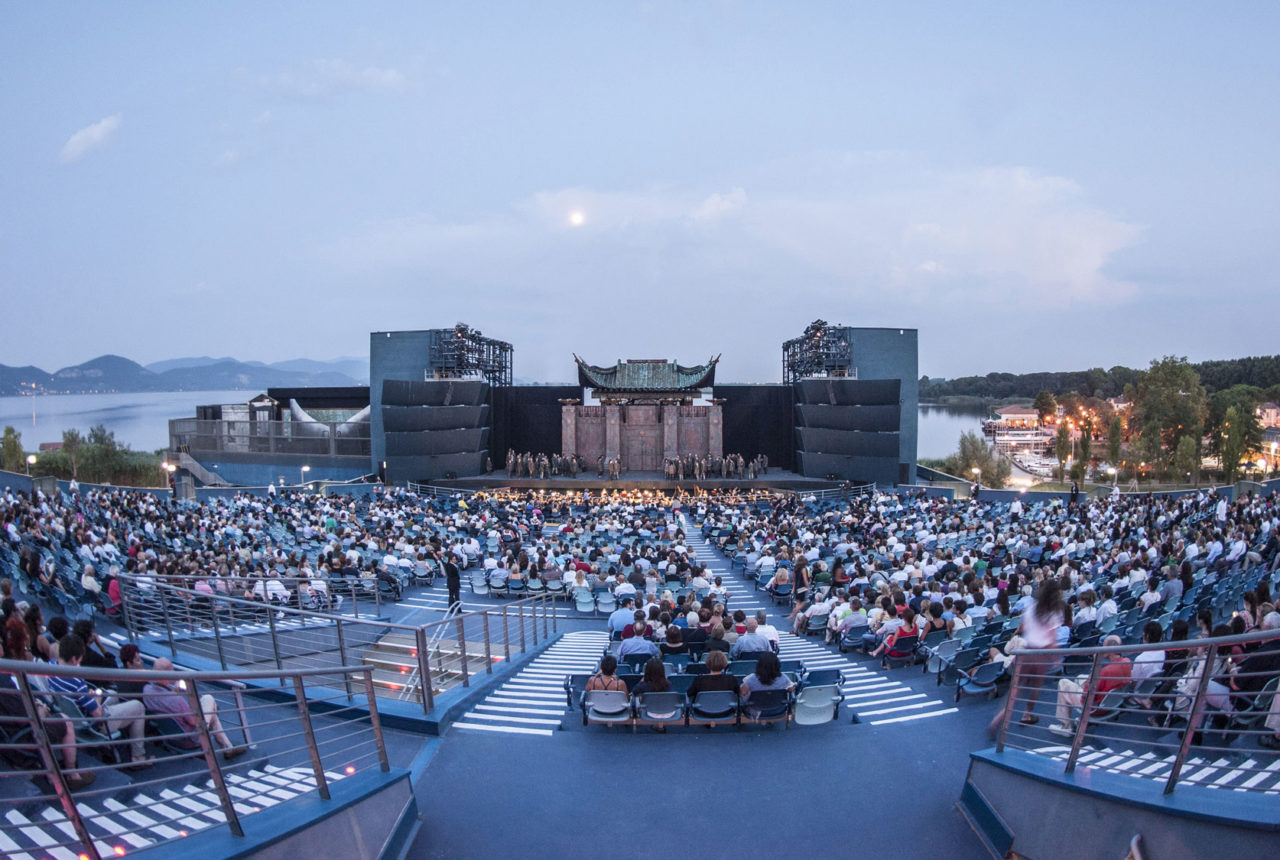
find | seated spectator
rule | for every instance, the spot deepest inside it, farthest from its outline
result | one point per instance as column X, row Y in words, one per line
column 60, row 732
column 639, row 626
column 767, row 676
column 112, row 716
column 622, row 617
column 674, row 643
column 130, row 658
column 1116, row 673
column 168, row 698
column 95, row 654
column 654, row 679
column 607, row 678
column 636, row 645
column 715, row 678
column 905, row 630
column 718, row 642
column 763, row 627
column 750, row 642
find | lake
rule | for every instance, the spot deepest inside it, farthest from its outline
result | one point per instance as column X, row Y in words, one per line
column 941, row 426
column 141, row 421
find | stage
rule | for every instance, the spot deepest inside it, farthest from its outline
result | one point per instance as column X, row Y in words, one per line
column 775, row 479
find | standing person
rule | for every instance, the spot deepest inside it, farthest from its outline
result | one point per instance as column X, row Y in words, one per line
column 452, row 578
column 1040, row 622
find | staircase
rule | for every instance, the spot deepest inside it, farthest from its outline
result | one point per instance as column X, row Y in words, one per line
column 394, row 659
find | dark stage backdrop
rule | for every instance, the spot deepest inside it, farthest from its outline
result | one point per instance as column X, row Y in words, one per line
column 527, row 418
column 758, row 420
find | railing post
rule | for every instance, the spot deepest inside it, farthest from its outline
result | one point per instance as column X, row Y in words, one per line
column 1086, row 705
column 488, row 653
column 342, row 657
column 533, row 615
column 506, row 635
column 424, row 671
column 520, row 618
column 462, row 647
column 53, row 771
column 168, row 624
column 304, row 712
column 1193, row 718
column 355, row 604
column 1012, row 702
column 545, row 601
column 275, row 642
column 231, row 611
column 376, row 721
column 555, row 621
column 211, row 762
column 217, row 635
column 124, row 612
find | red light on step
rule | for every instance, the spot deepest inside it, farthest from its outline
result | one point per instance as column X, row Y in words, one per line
column 351, row 769
column 119, row 849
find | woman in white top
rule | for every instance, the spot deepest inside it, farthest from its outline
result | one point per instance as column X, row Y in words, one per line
column 1039, row 629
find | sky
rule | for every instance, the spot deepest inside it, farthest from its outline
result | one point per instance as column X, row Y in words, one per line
column 1032, row 186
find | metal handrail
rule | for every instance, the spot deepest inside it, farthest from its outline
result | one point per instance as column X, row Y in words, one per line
column 84, row 807
column 135, row 608
column 1168, row 699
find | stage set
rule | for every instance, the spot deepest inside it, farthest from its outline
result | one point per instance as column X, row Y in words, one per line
column 442, row 407
column 844, row 412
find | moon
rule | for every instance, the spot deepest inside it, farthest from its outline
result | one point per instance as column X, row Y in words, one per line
column 576, row 218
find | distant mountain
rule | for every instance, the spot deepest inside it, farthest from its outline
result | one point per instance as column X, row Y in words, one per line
column 179, row 363
column 112, row 373
column 356, row 368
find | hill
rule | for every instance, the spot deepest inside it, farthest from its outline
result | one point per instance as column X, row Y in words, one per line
column 114, row 374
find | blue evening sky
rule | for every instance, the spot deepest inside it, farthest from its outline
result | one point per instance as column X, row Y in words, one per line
column 1033, row 186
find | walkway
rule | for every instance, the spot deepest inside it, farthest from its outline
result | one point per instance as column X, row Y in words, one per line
column 875, row 696
column 532, row 702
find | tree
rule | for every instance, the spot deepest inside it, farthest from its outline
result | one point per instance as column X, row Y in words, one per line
column 71, row 442
column 1046, row 405
column 11, row 450
column 1086, row 441
column 1115, row 436
column 1062, row 447
column 1187, row 459
column 974, row 451
column 1232, row 444
column 1244, row 399
column 1169, row 403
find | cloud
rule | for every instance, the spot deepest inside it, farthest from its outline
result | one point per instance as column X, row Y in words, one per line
column 90, row 138
column 226, row 158
column 992, row 233
column 864, row 240
column 325, row 78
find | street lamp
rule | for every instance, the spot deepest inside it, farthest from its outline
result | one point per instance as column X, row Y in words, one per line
column 31, row 461
column 977, row 475
column 302, row 478
column 1111, row 470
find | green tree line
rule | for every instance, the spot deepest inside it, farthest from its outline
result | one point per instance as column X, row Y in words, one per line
column 1262, row 372
column 96, row 458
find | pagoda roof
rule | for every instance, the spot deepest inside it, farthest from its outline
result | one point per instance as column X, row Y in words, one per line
column 650, row 375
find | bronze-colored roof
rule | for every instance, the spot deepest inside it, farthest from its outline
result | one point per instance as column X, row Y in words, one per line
column 647, row 375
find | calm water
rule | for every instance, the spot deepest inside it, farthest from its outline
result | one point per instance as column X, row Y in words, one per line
column 941, row 426
column 141, row 420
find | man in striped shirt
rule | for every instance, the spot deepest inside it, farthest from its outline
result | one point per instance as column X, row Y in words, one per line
column 129, row 715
